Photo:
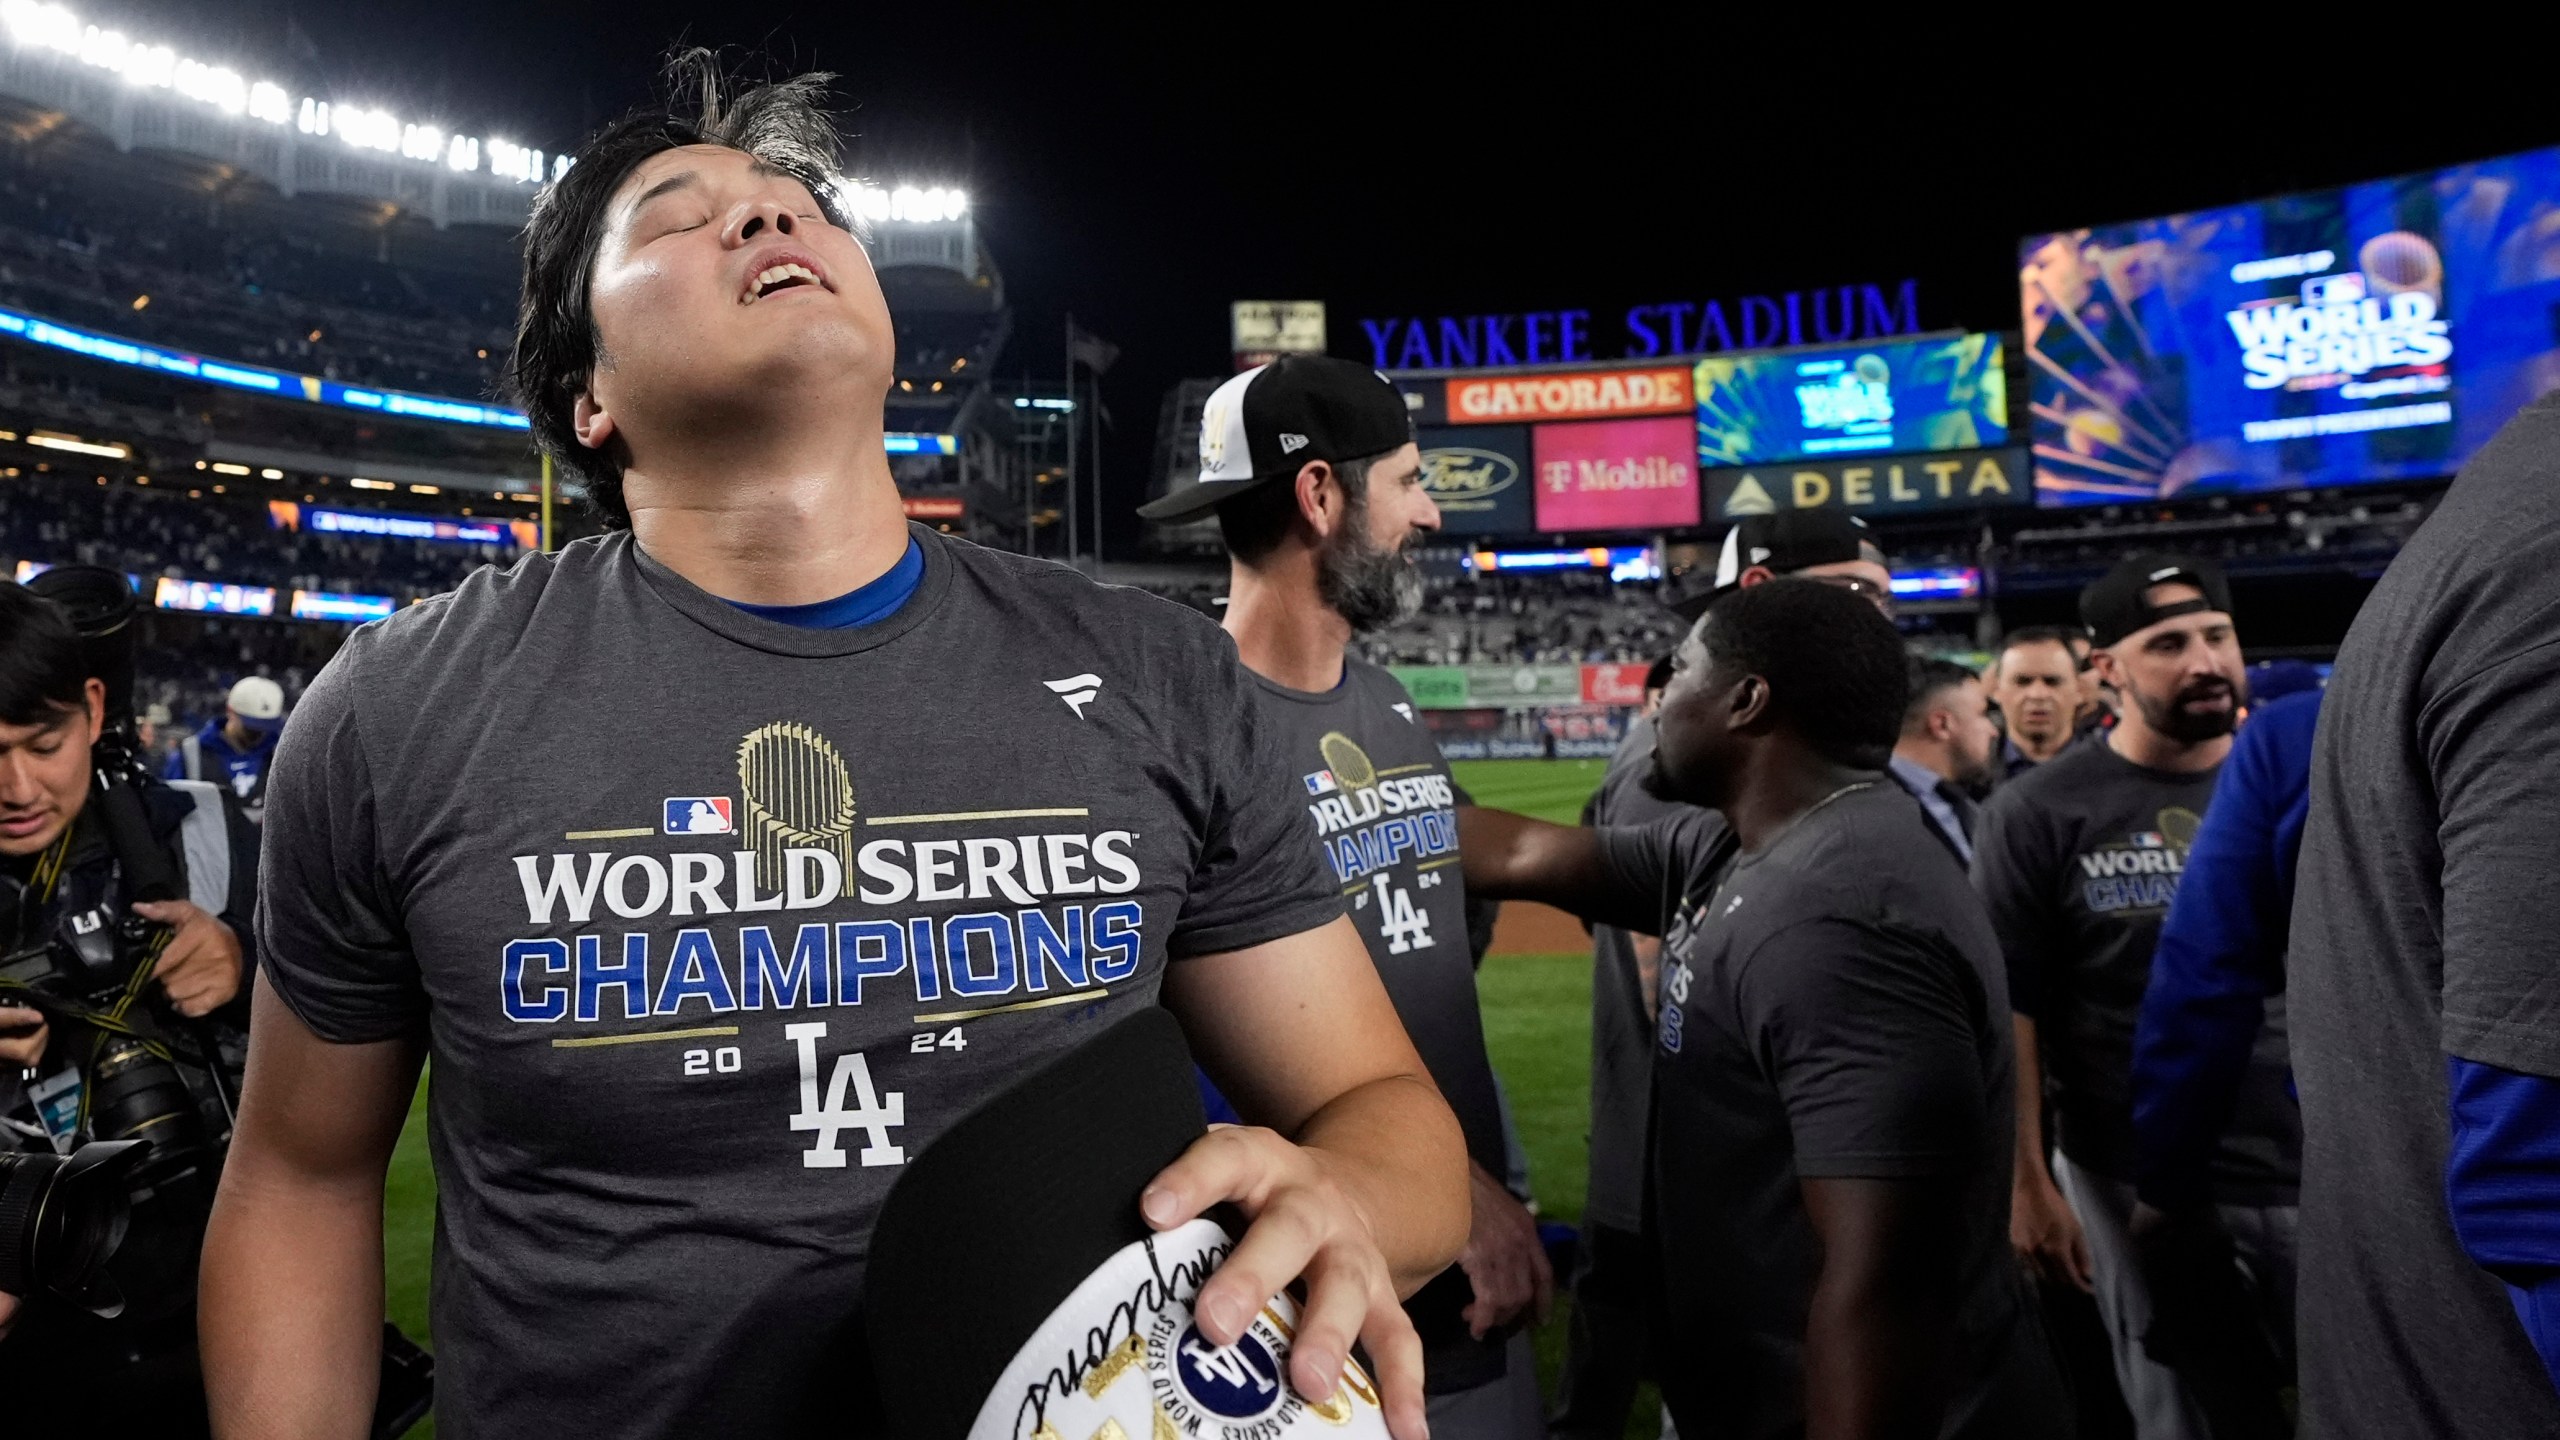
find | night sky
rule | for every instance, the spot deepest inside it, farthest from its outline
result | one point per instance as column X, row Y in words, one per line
column 1141, row 173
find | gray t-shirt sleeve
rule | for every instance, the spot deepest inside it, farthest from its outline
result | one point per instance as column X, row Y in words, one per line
column 330, row 937
column 2488, row 743
column 2009, row 860
column 1260, row 877
column 1865, row 1033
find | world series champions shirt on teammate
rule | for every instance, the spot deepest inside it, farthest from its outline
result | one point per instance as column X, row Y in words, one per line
column 1832, row 1008
column 1382, row 809
column 712, row 923
column 2078, row 860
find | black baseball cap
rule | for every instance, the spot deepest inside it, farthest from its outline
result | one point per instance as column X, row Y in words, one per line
column 1015, row 1291
column 1271, row 420
column 2113, row 606
column 1784, row 542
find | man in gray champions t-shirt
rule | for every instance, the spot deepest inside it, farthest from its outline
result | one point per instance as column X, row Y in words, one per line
column 2077, row 861
column 1832, row 1082
column 1312, row 469
column 725, row 861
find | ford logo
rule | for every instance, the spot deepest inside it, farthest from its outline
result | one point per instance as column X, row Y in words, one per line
column 1465, row 474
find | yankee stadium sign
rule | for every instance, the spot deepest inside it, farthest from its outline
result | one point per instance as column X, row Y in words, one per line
column 1676, row 327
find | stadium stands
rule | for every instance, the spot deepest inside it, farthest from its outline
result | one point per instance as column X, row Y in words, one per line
column 155, row 249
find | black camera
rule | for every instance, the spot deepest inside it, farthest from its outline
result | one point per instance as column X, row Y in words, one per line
column 61, row 1220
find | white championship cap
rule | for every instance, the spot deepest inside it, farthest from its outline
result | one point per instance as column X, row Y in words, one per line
column 1014, row 1292
column 1120, row 1356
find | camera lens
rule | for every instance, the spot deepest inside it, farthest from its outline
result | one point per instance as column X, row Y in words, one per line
column 136, row 1095
column 61, row 1219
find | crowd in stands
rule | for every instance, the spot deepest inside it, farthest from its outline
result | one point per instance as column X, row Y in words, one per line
column 1549, row 619
column 151, row 530
column 229, row 284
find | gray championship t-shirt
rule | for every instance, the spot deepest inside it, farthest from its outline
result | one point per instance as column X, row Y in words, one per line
column 1621, row 1024
column 2078, row 860
column 2424, row 925
column 712, row 924
column 1383, row 812
column 1834, row 1008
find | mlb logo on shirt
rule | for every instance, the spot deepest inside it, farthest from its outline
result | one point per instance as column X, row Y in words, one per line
column 2151, row 840
column 699, row 815
column 1320, row 783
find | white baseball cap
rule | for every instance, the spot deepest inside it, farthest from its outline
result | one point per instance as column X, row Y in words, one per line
column 1015, row 1293
column 258, row 701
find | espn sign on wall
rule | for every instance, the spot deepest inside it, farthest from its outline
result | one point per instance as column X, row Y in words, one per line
column 1569, row 395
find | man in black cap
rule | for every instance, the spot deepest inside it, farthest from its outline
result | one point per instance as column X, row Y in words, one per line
column 1831, row 1134
column 1832, row 546
column 1311, row 465
column 2078, row 860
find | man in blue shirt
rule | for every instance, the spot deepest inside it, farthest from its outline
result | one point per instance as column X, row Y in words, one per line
column 234, row 750
column 2221, row 954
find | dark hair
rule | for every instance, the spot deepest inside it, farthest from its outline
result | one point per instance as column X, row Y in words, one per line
column 1833, row 663
column 1658, row 676
column 1255, row 522
column 783, row 124
column 44, row 673
column 2061, row 635
column 1928, row 677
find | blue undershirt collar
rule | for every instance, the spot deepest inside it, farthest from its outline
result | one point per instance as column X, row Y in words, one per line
column 868, row 605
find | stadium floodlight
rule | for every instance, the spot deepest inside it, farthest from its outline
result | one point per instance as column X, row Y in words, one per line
column 559, row 165
column 38, row 24
column 222, row 89
column 366, row 129
column 50, row 26
column 907, row 203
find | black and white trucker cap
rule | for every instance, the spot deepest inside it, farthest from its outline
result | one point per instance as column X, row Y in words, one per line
column 1786, row 542
column 1271, row 420
column 1015, row 1293
column 2116, row 605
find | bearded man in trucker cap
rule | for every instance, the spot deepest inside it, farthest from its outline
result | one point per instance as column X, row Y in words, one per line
column 1311, row 466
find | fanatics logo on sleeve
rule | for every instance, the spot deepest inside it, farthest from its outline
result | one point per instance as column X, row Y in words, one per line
column 1077, row 690
column 700, row 815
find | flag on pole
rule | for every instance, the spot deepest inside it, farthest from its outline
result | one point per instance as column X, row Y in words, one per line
column 1090, row 350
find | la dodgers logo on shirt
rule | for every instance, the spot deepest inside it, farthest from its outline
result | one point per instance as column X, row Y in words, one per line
column 699, row 815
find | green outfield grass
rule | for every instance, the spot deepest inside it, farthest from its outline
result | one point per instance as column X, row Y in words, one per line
column 1537, row 1016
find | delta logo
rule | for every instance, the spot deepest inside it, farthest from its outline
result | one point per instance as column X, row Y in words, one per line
column 700, row 815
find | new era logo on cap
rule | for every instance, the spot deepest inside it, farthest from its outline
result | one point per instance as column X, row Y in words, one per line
column 1271, row 420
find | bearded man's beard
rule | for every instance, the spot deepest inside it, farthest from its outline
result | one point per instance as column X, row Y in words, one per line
column 1371, row 586
column 2191, row 727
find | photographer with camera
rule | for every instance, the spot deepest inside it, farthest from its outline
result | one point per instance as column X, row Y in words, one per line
column 124, row 904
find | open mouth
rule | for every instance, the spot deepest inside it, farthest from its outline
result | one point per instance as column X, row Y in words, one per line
column 786, row 275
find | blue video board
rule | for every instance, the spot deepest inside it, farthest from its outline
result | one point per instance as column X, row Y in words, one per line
column 2374, row 333
column 1890, row 397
